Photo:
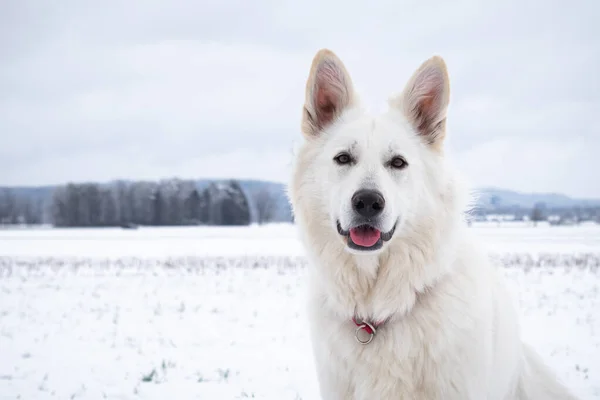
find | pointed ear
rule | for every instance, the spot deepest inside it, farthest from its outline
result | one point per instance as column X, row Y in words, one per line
column 329, row 91
column 425, row 99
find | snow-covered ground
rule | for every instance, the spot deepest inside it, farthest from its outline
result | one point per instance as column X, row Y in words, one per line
column 217, row 313
column 260, row 240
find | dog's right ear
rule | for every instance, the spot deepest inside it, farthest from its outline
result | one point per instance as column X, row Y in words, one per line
column 425, row 100
column 329, row 91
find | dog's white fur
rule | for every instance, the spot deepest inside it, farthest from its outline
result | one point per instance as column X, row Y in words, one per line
column 452, row 331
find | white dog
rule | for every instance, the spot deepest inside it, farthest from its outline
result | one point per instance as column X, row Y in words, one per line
column 403, row 304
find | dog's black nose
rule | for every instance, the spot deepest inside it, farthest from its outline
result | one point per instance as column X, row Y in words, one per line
column 368, row 203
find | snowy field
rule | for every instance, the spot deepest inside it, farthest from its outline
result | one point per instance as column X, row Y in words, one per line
column 217, row 313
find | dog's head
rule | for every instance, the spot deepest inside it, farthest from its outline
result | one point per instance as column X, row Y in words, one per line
column 368, row 178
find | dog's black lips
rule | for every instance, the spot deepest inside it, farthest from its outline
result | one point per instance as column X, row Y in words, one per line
column 384, row 236
column 341, row 231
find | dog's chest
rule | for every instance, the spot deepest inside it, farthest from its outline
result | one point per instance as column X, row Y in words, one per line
column 416, row 357
column 394, row 365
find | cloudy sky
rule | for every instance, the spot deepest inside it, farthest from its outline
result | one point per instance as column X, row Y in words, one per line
column 147, row 89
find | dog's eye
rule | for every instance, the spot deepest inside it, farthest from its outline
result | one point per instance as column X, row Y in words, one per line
column 343, row 158
column 398, row 163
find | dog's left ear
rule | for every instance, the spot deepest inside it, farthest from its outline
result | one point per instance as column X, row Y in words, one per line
column 329, row 90
column 425, row 99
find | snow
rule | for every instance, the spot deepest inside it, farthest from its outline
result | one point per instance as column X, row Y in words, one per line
column 218, row 313
column 152, row 242
column 523, row 238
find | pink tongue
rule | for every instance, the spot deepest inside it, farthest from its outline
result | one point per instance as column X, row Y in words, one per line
column 365, row 237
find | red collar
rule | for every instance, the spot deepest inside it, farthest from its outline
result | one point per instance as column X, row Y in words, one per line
column 369, row 327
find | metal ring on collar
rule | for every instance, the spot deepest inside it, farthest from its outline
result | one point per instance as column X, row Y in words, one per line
column 371, row 334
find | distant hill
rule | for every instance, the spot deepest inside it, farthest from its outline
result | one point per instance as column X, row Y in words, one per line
column 494, row 198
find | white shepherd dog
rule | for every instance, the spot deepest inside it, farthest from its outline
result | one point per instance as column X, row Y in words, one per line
column 403, row 302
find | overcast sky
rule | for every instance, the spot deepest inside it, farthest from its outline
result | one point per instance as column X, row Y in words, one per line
column 150, row 89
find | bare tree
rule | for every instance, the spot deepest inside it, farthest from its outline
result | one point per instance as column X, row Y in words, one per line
column 266, row 206
column 537, row 214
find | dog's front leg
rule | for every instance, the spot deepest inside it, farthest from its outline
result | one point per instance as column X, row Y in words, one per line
column 333, row 373
column 333, row 378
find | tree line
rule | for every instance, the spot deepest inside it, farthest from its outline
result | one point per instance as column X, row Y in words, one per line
column 16, row 208
column 121, row 203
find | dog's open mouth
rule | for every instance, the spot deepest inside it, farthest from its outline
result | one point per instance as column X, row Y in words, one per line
column 365, row 237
